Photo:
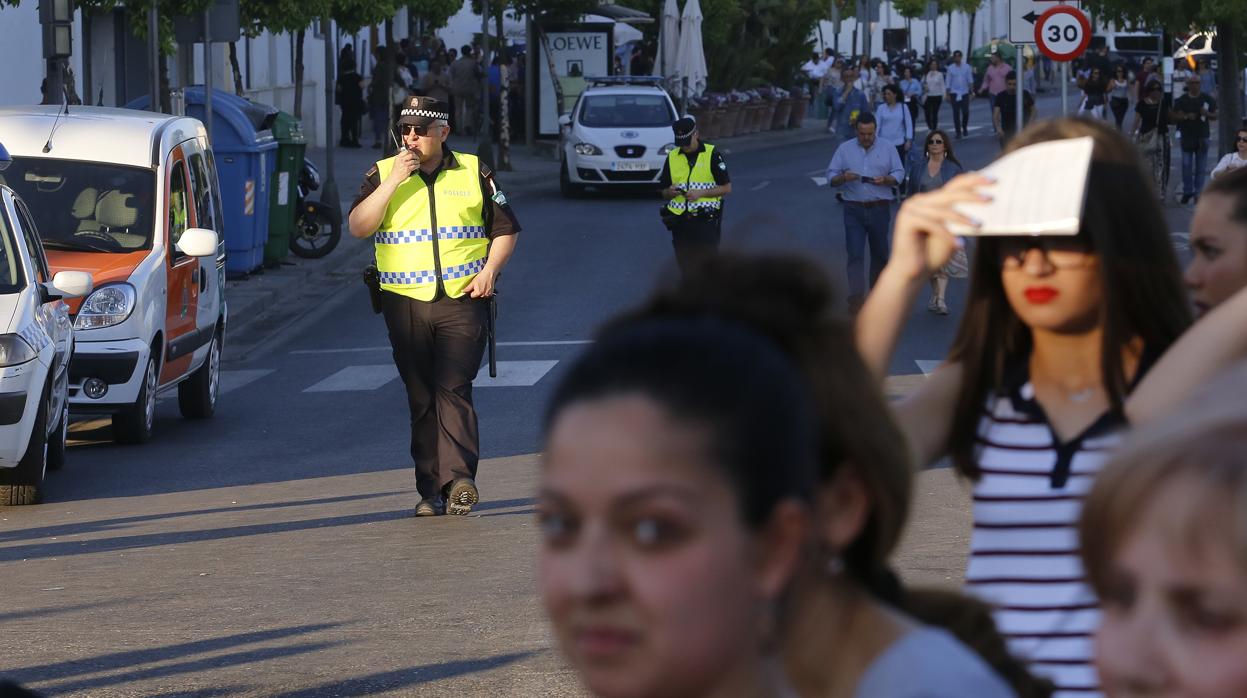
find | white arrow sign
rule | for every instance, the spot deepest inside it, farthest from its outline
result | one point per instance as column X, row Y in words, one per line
column 1024, row 13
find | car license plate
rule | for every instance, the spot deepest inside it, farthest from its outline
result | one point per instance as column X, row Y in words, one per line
column 630, row 167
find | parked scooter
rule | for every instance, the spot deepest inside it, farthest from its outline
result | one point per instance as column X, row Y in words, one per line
column 316, row 230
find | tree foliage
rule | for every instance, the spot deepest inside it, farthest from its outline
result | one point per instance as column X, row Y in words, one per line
column 435, row 13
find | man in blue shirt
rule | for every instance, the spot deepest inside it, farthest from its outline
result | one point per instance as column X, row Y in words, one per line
column 960, row 88
column 866, row 173
column 846, row 105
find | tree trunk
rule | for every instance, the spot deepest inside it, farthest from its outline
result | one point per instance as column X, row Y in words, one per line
column 1229, row 102
column 234, row 67
column 970, row 36
column 501, row 49
column 554, row 76
column 948, row 31
column 504, row 118
column 165, row 106
column 298, row 73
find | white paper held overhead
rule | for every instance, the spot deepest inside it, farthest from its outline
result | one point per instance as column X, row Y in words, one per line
column 1038, row 190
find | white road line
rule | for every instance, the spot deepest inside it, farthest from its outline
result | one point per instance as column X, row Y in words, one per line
column 356, row 378
column 819, row 181
column 928, row 366
column 363, row 350
column 760, row 185
column 514, row 374
column 233, row 380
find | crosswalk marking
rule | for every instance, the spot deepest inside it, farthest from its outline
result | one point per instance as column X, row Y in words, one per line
column 514, row 374
column 365, row 350
column 233, row 380
column 356, row 378
column 819, row 181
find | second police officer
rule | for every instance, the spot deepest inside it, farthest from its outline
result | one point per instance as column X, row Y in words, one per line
column 443, row 231
column 694, row 180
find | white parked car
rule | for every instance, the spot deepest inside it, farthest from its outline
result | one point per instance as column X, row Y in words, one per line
column 36, row 343
column 131, row 197
column 617, row 133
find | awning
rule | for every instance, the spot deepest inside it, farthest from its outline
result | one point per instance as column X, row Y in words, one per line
column 619, row 13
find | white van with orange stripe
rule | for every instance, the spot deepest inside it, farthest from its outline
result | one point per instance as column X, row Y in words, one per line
column 131, row 197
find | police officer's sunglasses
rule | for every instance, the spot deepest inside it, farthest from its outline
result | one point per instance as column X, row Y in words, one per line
column 407, row 129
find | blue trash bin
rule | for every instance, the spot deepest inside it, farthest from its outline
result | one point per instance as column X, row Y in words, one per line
column 246, row 154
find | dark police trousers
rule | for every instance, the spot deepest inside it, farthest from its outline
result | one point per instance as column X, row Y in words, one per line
column 694, row 238
column 438, row 347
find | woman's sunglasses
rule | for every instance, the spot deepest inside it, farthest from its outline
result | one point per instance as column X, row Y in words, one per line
column 936, row 141
column 408, row 129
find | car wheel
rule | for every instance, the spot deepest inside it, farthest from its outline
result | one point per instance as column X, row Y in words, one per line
column 197, row 395
column 24, row 484
column 133, row 425
column 566, row 188
column 58, row 440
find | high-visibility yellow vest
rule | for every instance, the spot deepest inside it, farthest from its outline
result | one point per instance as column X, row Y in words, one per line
column 433, row 232
column 699, row 177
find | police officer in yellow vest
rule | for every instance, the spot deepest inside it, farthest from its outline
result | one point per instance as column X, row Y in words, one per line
column 443, row 231
column 694, row 180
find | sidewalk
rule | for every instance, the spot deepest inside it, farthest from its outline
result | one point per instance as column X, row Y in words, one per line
column 270, row 300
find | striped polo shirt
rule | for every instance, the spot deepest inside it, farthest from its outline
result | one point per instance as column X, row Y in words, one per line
column 1024, row 548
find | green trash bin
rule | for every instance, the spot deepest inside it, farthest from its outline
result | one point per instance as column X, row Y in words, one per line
column 291, row 146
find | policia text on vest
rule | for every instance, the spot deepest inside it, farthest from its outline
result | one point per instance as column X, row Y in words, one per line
column 442, row 232
column 694, row 180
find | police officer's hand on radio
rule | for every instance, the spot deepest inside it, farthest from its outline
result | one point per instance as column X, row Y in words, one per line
column 405, row 163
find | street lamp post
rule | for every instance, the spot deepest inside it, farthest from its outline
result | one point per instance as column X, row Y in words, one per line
column 329, row 191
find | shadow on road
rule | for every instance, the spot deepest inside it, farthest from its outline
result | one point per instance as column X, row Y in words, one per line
column 151, row 540
column 136, row 658
column 86, row 527
column 402, row 678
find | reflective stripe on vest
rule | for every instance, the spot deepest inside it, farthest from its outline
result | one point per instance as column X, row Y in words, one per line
column 698, row 177
column 409, row 254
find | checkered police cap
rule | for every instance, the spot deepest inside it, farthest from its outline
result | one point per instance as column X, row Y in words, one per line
column 423, row 111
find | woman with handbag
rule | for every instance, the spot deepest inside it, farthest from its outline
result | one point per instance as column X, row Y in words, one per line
column 1151, row 133
column 928, row 174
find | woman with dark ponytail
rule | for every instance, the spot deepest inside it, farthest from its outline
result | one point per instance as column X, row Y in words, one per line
column 842, row 628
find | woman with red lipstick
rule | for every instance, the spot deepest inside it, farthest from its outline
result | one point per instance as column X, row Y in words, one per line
column 687, row 608
column 1038, row 384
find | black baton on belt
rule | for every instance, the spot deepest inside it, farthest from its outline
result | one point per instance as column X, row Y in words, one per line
column 490, row 322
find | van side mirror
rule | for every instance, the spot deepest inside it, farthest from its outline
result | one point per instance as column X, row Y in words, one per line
column 565, row 120
column 197, row 242
column 68, row 284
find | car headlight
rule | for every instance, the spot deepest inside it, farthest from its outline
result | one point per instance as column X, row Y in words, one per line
column 666, row 149
column 107, row 306
column 14, row 350
column 588, row 149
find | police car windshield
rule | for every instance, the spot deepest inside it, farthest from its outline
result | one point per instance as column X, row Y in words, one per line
column 631, row 111
column 86, row 206
column 10, row 261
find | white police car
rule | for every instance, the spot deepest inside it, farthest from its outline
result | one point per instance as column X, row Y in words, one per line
column 36, row 343
column 617, row 133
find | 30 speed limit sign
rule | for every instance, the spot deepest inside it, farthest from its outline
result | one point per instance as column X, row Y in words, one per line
column 1062, row 33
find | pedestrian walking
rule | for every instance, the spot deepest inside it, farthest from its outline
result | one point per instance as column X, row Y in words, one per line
column 1005, row 109
column 911, row 88
column 1119, row 94
column 694, row 180
column 1050, row 365
column 379, row 95
column 349, row 96
column 443, row 232
column 1151, row 134
column 465, row 86
column 896, row 127
column 934, row 89
column 1218, row 266
column 1191, row 113
column 995, row 76
column 938, row 166
column 1233, row 160
column 1094, row 95
column 1163, row 541
column 846, row 105
column 866, row 172
column 960, row 92
column 1207, row 78
column 877, row 80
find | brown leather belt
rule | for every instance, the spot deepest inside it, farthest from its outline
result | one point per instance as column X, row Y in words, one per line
column 869, row 204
